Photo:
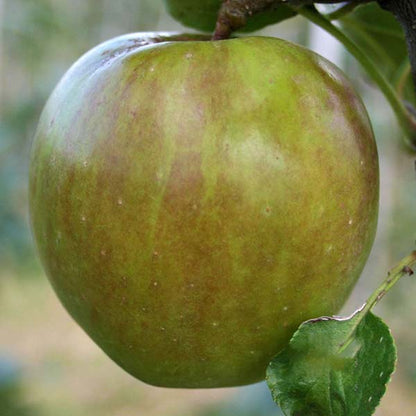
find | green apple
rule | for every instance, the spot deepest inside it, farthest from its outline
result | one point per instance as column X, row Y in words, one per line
column 202, row 14
column 194, row 201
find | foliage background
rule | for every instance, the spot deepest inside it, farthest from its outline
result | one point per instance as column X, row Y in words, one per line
column 48, row 366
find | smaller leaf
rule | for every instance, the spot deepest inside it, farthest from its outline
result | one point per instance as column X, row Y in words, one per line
column 377, row 32
column 334, row 367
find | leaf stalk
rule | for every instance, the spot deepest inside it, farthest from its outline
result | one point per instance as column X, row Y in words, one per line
column 403, row 268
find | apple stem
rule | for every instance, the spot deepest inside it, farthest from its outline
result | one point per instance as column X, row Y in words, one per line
column 233, row 15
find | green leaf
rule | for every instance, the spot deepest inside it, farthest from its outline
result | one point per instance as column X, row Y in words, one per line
column 378, row 33
column 334, row 367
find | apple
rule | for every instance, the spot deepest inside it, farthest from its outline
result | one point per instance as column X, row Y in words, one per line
column 202, row 14
column 194, row 201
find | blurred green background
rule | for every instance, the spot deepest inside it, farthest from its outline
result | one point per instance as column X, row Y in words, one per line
column 48, row 366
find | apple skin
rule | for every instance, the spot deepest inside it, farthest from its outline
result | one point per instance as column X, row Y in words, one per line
column 193, row 202
column 202, row 14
